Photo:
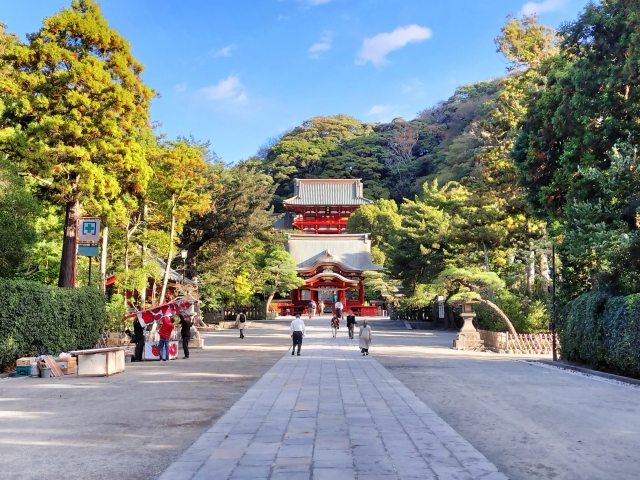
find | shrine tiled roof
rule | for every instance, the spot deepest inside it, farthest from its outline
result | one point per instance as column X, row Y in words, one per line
column 327, row 191
column 352, row 252
column 173, row 275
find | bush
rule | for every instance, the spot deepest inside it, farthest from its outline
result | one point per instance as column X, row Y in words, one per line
column 39, row 319
column 116, row 309
column 527, row 316
column 603, row 332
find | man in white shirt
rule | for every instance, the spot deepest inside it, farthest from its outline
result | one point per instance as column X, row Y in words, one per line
column 297, row 329
column 338, row 307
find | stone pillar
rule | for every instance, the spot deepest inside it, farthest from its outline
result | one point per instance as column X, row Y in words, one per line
column 468, row 337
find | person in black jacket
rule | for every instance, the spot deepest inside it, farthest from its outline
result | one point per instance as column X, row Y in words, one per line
column 351, row 323
column 185, row 323
column 137, row 337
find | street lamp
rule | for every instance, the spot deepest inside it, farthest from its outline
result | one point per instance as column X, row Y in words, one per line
column 184, row 254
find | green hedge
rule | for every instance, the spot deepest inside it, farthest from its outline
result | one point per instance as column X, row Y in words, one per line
column 603, row 331
column 38, row 319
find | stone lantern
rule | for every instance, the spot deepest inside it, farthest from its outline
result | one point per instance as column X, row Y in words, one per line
column 468, row 337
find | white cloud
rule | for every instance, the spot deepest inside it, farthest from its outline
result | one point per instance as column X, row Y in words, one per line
column 384, row 113
column 224, row 52
column 229, row 90
column 181, row 87
column 531, row 8
column 282, row 18
column 324, row 45
column 375, row 49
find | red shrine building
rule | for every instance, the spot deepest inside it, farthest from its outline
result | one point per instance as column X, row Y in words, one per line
column 322, row 206
column 330, row 261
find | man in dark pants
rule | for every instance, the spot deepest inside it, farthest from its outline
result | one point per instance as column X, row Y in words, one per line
column 137, row 337
column 185, row 323
column 351, row 323
column 297, row 329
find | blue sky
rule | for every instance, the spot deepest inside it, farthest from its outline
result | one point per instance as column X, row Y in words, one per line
column 237, row 72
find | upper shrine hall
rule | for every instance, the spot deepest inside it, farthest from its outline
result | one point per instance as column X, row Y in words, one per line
column 330, row 261
column 322, row 206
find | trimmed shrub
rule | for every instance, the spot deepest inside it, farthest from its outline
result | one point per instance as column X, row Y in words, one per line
column 39, row 319
column 526, row 316
column 603, row 332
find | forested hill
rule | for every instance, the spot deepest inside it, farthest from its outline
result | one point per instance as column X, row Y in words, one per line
column 393, row 159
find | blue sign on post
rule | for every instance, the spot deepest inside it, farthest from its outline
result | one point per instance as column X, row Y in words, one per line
column 88, row 251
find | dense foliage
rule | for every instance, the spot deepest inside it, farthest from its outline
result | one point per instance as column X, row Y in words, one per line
column 603, row 331
column 578, row 148
column 39, row 319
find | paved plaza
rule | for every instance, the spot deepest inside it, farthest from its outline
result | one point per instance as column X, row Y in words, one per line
column 330, row 414
column 247, row 407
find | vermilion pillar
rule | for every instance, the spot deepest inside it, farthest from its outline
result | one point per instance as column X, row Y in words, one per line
column 361, row 293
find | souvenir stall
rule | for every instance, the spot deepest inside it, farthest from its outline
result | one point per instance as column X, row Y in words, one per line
column 184, row 306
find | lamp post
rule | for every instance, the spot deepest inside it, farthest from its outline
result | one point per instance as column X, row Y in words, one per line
column 184, row 254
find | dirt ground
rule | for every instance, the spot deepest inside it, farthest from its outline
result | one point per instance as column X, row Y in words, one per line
column 133, row 424
column 531, row 421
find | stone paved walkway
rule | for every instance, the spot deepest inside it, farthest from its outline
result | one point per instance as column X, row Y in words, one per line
column 330, row 414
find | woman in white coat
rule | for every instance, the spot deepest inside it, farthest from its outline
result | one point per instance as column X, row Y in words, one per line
column 365, row 338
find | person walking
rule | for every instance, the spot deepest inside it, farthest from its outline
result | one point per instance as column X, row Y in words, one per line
column 186, row 323
column 320, row 308
column 297, row 330
column 351, row 323
column 241, row 320
column 335, row 325
column 165, row 334
column 365, row 338
column 338, row 308
column 310, row 309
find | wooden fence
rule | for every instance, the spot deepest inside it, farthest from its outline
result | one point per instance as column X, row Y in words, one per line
column 539, row 343
column 229, row 313
column 451, row 320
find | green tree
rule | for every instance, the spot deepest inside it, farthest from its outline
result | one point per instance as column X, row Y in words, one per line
column 298, row 153
column 280, row 274
column 73, row 113
column 525, row 42
column 468, row 285
column 600, row 248
column 18, row 213
column 180, row 175
column 587, row 101
column 240, row 197
column 361, row 157
column 382, row 221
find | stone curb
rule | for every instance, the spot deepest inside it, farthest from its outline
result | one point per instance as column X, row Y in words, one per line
column 7, row 375
column 588, row 371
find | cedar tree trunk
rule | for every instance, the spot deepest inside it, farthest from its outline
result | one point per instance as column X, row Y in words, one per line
column 67, row 277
